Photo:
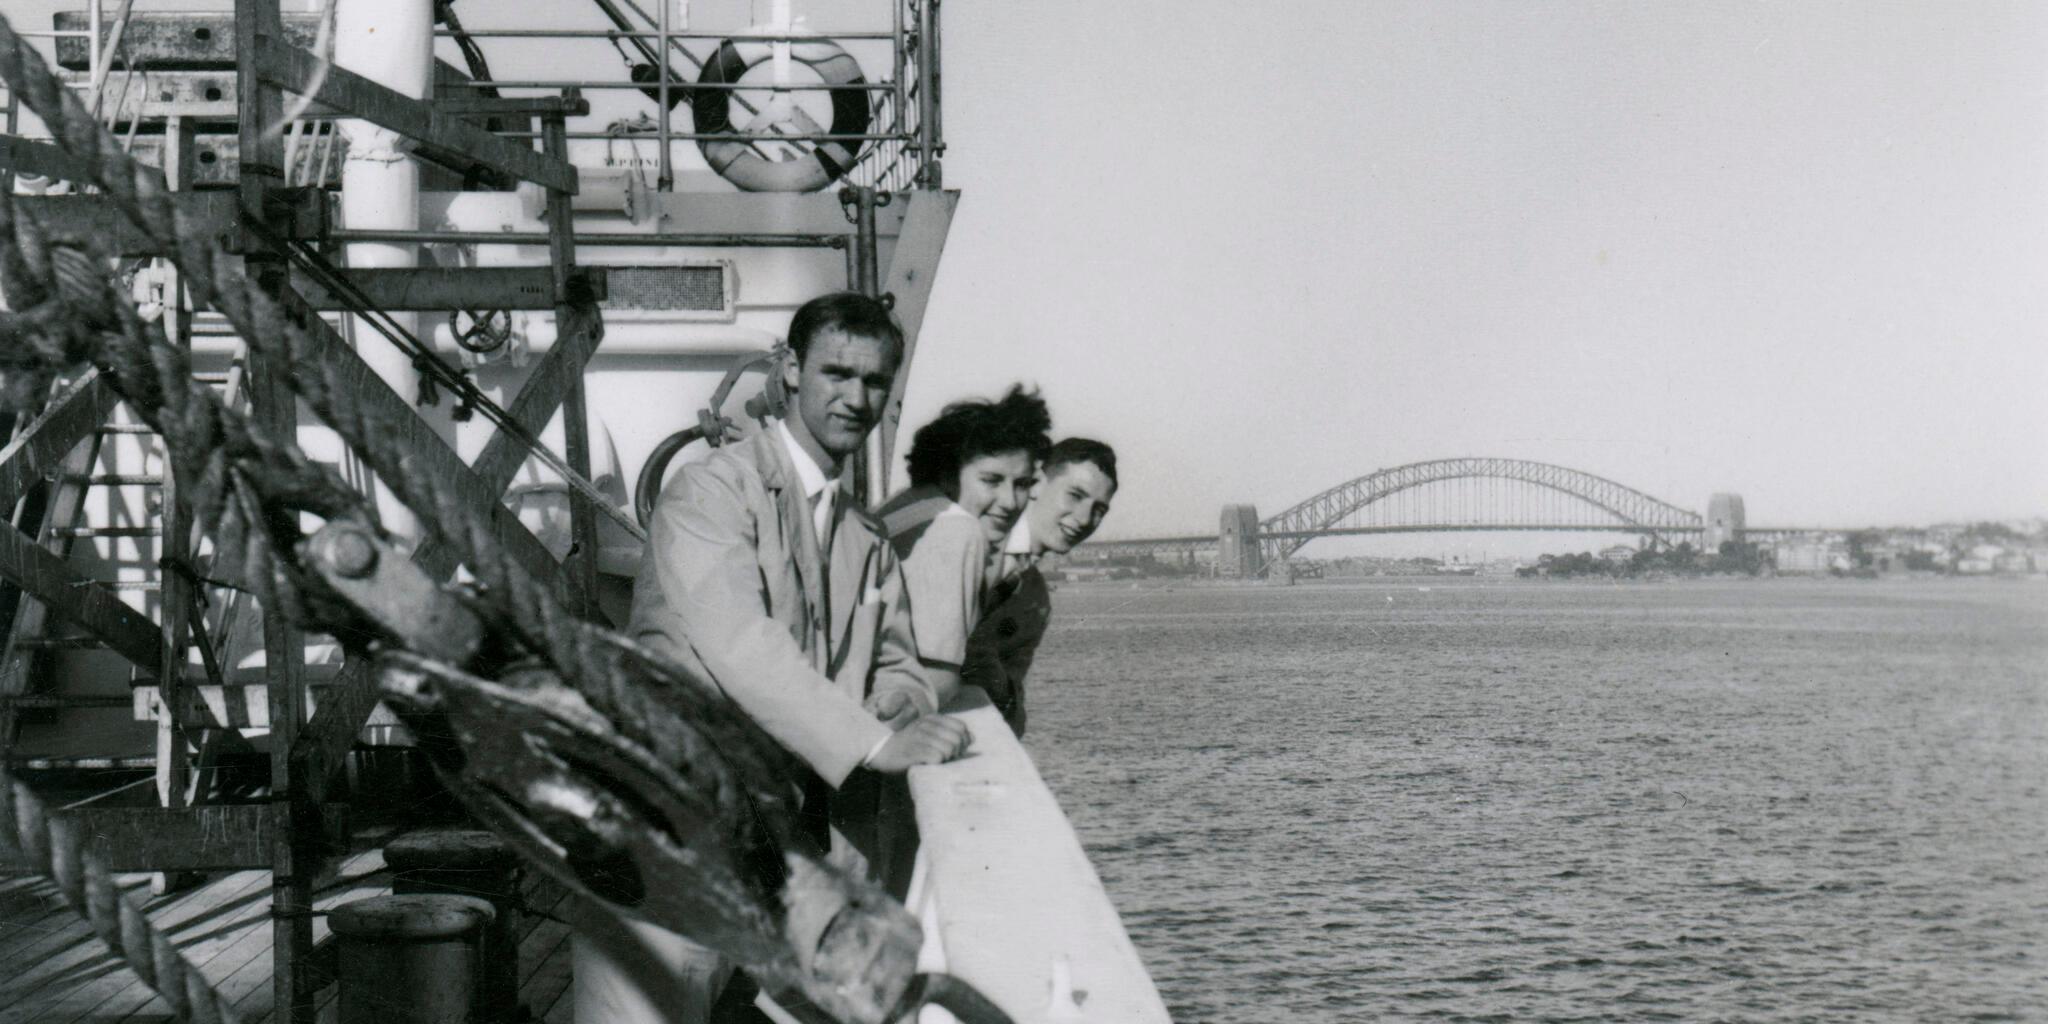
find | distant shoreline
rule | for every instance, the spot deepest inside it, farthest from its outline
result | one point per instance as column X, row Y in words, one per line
column 1449, row 580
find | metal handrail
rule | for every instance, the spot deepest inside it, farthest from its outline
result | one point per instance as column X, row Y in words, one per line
column 596, row 33
column 534, row 83
column 588, row 238
column 727, row 136
column 901, row 152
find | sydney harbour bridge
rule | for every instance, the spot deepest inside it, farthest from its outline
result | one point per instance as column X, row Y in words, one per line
column 1454, row 495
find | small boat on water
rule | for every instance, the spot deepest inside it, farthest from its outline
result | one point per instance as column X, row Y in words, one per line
column 556, row 248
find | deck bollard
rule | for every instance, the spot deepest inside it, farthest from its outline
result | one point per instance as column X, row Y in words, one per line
column 463, row 862
column 412, row 959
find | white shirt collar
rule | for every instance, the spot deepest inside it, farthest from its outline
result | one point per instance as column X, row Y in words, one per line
column 1018, row 543
column 808, row 472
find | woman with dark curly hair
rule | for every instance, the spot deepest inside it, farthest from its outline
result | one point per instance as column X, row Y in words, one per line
column 971, row 474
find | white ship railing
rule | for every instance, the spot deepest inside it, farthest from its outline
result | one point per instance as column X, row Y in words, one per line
column 1009, row 901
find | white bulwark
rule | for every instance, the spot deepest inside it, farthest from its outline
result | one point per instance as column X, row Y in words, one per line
column 1009, row 901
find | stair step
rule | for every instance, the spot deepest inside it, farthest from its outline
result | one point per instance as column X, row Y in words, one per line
column 107, row 531
column 58, row 643
column 84, row 762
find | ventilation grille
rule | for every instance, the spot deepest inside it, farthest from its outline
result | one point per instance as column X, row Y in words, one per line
column 701, row 288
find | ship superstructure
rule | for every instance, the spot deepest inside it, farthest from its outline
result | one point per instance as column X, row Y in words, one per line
column 539, row 243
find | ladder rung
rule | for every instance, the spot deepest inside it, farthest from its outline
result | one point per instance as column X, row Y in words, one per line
column 107, row 531
column 210, row 378
column 135, row 585
column 124, row 428
column 59, row 701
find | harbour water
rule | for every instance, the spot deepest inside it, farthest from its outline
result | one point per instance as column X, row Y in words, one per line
column 1466, row 800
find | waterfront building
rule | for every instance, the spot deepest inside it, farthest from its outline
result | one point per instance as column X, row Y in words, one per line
column 1801, row 557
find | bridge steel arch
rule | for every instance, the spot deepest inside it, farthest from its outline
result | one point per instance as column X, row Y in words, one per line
column 1284, row 534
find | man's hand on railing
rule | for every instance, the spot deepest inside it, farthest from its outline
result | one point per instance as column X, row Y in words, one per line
column 932, row 739
column 895, row 708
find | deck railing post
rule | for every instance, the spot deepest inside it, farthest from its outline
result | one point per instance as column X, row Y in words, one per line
column 931, row 140
column 175, row 591
column 259, row 26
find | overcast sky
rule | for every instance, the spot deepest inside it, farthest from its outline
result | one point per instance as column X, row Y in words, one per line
column 1794, row 250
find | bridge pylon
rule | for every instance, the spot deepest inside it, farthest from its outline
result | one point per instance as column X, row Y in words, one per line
column 1237, row 543
column 1726, row 521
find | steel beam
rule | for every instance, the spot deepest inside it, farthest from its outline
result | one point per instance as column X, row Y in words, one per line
column 576, row 340
column 27, row 156
column 230, row 706
column 295, row 69
column 768, row 213
column 214, row 95
column 219, row 837
column 512, row 106
column 1361, row 531
column 68, row 419
column 913, row 269
column 77, row 598
column 210, row 95
column 96, row 222
column 158, row 40
column 60, row 507
column 220, row 159
column 293, row 858
column 580, row 567
column 318, row 753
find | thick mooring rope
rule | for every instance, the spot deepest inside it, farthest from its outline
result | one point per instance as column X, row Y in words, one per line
column 54, row 848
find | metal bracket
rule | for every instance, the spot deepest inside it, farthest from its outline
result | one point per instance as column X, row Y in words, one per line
column 385, row 583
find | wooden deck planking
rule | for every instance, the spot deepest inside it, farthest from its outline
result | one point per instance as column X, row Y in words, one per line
column 29, row 909
column 204, row 925
column 544, row 966
column 55, row 970
column 543, row 944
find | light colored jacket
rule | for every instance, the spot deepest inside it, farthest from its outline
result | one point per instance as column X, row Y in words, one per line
column 731, row 587
column 944, row 555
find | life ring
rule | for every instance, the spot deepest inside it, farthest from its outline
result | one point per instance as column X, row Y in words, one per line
column 737, row 161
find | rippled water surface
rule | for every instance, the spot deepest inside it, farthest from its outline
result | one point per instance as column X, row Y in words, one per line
column 1757, row 801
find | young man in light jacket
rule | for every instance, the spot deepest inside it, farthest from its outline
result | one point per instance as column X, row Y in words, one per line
column 763, row 576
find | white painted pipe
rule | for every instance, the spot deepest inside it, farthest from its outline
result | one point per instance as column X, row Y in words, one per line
column 390, row 42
